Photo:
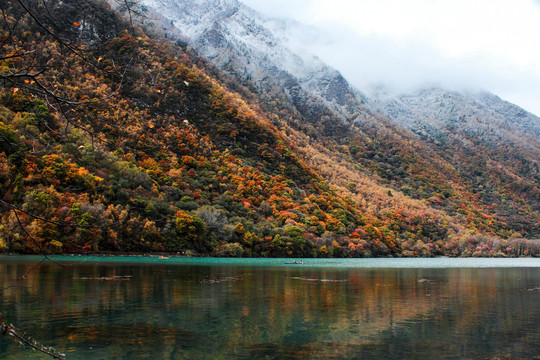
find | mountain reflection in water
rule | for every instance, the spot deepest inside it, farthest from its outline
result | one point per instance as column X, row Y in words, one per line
column 135, row 310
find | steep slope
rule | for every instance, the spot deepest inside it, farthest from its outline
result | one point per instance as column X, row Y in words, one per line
column 171, row 157
column 115, row 141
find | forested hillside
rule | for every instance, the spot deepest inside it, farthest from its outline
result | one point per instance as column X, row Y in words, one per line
column 112, row 140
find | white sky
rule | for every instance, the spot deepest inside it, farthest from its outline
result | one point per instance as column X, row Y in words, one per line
column 479, row 44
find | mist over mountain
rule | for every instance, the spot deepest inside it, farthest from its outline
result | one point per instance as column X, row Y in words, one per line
column 262, row 50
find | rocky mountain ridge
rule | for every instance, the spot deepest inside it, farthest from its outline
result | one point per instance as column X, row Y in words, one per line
column 258, row 49
column 480, row 114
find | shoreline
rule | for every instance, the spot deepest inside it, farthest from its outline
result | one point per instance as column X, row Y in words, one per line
column 195, row 256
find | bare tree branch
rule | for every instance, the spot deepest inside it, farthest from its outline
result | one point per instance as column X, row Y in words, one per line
column 17, row 55
column 14, row 208
column 10, row 330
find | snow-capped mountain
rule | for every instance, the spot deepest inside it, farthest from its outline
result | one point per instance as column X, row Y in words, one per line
column 258, row 49
column 265, row 52
column 437, row 113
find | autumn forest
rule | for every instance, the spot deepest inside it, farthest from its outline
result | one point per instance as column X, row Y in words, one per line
column 115, row 138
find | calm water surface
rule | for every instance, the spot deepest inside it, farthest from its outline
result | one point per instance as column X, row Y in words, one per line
column 150, row 308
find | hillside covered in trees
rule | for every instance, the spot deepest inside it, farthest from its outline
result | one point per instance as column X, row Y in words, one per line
column 117, row 139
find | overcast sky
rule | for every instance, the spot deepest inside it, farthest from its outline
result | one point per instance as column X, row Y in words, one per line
column 478, row 44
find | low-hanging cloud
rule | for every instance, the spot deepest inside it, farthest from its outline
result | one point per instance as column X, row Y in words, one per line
column 488, row 44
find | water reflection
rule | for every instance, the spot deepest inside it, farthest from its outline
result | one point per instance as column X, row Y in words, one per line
column 141, row 311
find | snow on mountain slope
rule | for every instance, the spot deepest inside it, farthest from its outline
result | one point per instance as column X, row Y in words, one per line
column 481, row 116
column 265, row 51
column 256, row 48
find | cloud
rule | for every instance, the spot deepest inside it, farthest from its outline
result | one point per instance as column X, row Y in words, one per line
column 490, row 44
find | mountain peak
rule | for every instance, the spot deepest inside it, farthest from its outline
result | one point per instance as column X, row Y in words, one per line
column 256, row 48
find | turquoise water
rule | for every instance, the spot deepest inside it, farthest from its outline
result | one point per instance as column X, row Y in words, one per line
column 200, row 308
column 326, row 263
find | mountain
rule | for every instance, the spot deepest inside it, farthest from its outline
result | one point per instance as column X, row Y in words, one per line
column 118, row 136
column 492, row 142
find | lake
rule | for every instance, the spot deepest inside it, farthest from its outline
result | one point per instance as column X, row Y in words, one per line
column 201, row 308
